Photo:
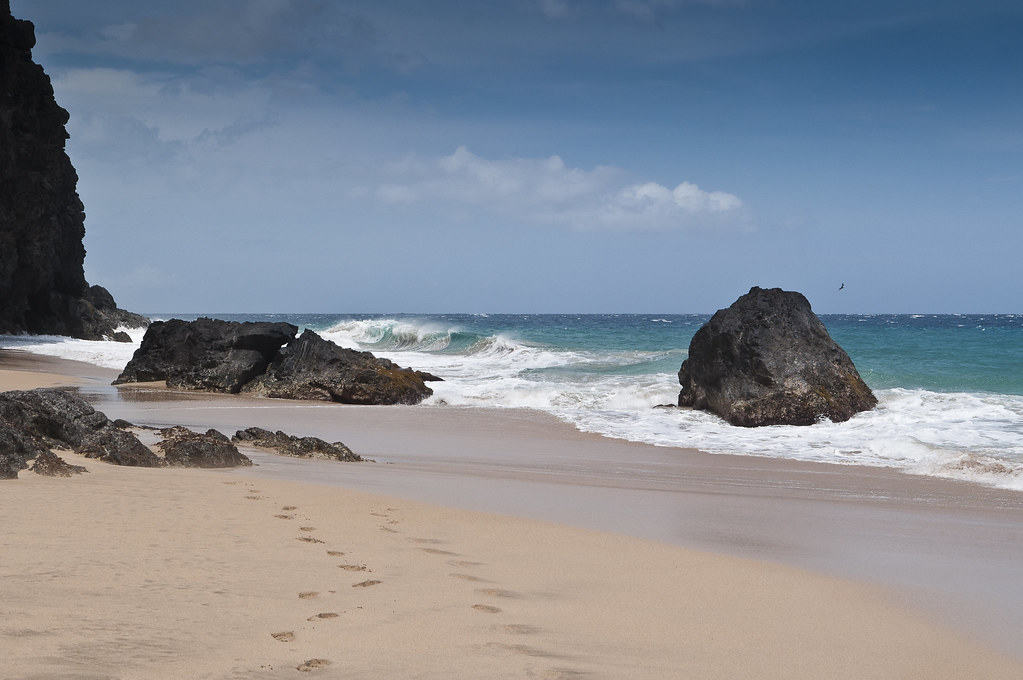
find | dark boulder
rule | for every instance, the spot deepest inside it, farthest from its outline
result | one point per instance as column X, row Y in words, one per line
column 428, row 377
column 768, row 360
column 119, row 447
column 310, row 367
column 290, row 445
column 50, row 464
column 55, row 417
column 206, row 354
column 42, row 220
column 211, row 449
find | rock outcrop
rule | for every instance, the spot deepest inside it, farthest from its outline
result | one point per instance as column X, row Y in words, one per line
column 211, row 449
column 206, row 354
column 310, row 367
column 34, row 421
column 42, row 219
column 50, row 464
column 229, row 356
column 768, row 360
column 116, row 446
column 290, row 445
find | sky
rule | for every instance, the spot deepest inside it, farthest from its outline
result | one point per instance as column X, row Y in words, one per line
column 544, row 155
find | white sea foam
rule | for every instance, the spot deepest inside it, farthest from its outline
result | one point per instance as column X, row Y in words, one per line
column 972, row 436
column 104, row 353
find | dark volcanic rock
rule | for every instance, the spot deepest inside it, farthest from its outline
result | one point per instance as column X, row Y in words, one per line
column 290, row 445
column 50, row 464
column 211, row 449
column 206, row 354
column 310, row 367
column 42, row 220
column 768, row 360
column 118, row 447
column 428, row 377
column 53, row 417
column 15, row 450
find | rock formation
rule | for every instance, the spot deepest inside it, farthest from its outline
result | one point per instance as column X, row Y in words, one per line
column 310, row 367
column 50, row 464
column 290, row 445
column 229, row 356
column 768, row 360
column 211, row 449
column 206, row 354
column 32, row 422
column 42, row 220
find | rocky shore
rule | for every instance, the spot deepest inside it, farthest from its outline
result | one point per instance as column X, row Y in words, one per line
column 267, row 359
column 34, row 423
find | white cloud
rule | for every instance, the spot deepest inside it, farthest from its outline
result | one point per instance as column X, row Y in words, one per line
column 545, row 190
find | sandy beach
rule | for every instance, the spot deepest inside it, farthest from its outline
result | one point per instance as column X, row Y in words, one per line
column 291, row 565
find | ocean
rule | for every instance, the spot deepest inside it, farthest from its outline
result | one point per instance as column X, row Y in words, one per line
column 950, row 386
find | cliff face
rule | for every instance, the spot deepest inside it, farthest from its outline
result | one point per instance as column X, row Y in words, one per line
column 42, row 281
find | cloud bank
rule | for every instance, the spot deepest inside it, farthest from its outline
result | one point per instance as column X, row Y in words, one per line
column 545, row 190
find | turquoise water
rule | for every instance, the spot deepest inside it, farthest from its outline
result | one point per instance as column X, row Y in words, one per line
column 950, row 387
column 946, row 353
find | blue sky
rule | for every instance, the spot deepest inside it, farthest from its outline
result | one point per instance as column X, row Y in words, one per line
column 544, row 156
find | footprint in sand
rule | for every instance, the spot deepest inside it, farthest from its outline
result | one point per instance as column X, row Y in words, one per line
column 312, row 664
column 437, row 551
column 426, row 540
column 254, row 498
column 284, row 516
column 335, row 553
column 469, row 577
column 524, row 649
column 307, row 528
column 388, row 530
column 285, row 636
column 378, row 514
column 365, row 584
column 289, row 507
column 498, row 592
column 486, row 608
column 323, row 615
column 306, row 594
column 520, row 629
column 464, row 562
column 353, row 567
column 309, row 539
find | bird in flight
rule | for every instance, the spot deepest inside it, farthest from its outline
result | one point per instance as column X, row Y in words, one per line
column 842, row 286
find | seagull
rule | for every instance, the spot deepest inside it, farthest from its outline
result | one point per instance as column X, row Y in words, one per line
column 842, row 286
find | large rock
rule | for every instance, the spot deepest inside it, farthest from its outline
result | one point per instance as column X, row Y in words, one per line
column 768, row 360
column 310, row 367
column 206, row 354
column 118, row 447
column 42, row 220
column 290, row 445
column 35, row 421
column 211, row 449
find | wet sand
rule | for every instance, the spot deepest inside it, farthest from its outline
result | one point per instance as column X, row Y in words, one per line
column 948, row 550
column 170, row 573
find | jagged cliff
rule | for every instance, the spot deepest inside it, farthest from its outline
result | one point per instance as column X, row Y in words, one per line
column 42, row 220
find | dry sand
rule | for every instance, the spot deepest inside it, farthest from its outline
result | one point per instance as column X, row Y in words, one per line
column 140, row 573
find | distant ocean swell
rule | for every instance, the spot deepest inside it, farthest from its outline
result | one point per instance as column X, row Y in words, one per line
column 938, row 415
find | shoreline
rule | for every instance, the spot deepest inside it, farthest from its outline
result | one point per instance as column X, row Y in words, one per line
column 946, row 548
